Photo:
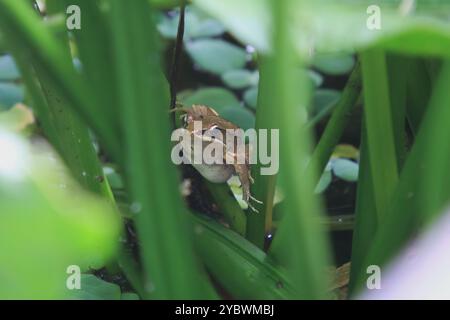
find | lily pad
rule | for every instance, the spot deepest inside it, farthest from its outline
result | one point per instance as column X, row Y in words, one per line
column 241, row 117
column 240, row 78
column 345, row 169
column 334, row 64
column 216, row 56
column 214, row 97
column 251, row 97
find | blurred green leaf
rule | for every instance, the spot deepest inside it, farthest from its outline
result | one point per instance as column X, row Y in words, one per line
column 345, row 169
column 195, row 25
column 10, row 94
column 328, row 26
column 241, row 117
column 216, row 56
column 251, row 97
column 214, row 97
column 240, row 78
column 47, row 223
column 8, row 68
column 334, row 64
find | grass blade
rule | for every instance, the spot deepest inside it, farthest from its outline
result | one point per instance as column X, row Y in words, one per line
column 169, row 263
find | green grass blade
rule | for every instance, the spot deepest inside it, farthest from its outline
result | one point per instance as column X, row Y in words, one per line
column 47, row 55
column 264, row 187
column 380, row 136
column 93, row 44
column 338, row 120
column 397, row 71
column 422, row 190
column 419, row 89
column 169, row 263
column 300, row 242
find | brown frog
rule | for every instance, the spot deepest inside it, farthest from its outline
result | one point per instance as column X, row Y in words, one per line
column 218, row 173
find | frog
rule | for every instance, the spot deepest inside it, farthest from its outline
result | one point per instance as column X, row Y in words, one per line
column 218, row 173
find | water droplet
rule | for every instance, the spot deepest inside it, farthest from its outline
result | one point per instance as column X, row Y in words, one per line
column 62, row 186
column 84, row 174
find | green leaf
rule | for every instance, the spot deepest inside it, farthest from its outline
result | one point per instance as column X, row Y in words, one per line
column 10, row 94
column 248, row 20
column 324, row 180
column 216, row 56
column 334, row 64
column 345, row 169
column 241, row 268
column 327, row 26
column 8, row 68
column 171, row 270
column 214, row 97
column 47, row 223
column 195, row 26
column 241, row 117
column 93, row 288
column 240, row 78
column 251, row 97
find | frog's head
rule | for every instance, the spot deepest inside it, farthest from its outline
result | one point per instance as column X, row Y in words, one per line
column 195, row 113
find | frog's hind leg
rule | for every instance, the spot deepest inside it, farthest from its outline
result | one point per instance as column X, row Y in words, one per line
column 243, row 172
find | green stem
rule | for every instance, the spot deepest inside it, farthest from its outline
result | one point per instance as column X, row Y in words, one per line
column 338, row 121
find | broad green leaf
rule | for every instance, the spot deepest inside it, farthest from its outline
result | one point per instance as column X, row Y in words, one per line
column 216, row 56
column 326, row 26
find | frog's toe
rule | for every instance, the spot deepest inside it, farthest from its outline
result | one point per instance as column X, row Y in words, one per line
column 256, row 200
